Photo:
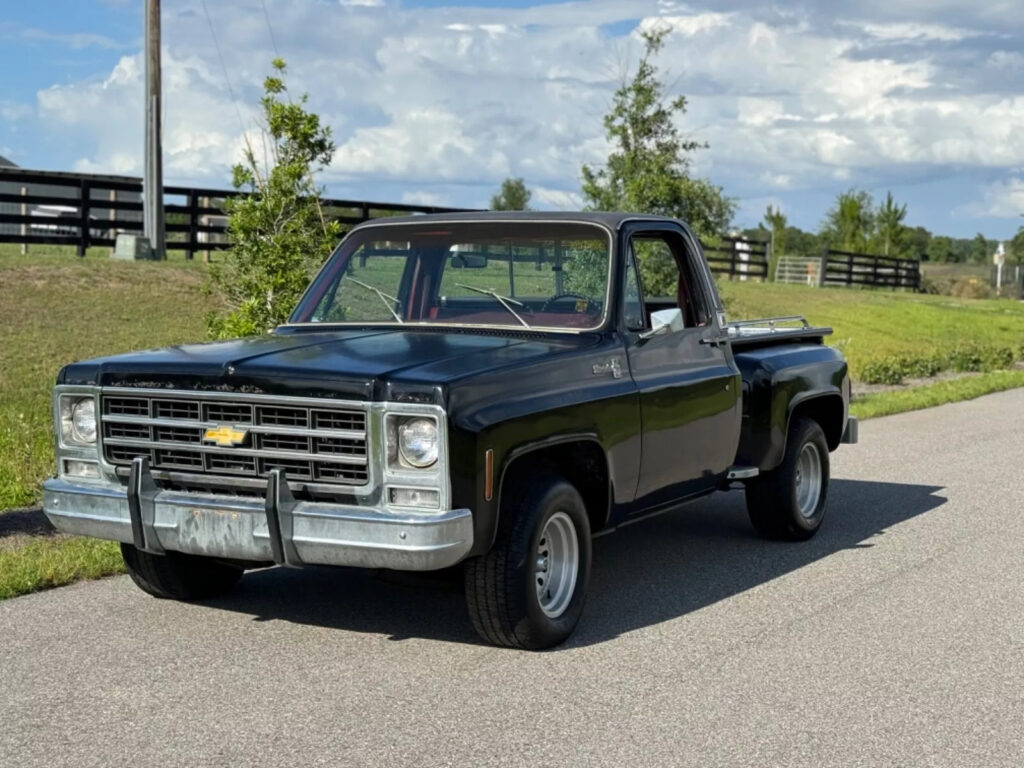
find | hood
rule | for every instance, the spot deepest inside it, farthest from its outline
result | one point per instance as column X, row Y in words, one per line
column 358, row 364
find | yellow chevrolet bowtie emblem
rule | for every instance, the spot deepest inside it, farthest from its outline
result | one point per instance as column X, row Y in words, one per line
column 225, row 437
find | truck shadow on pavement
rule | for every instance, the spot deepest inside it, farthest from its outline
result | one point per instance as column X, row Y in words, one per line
column 644, row 574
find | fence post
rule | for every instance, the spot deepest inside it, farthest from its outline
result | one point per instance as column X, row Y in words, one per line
column 112, row 232
column 205, row 221
column 823, row 267
column 84, row 194
column 192, row 231
column 24, row 224
column 849, row 270
column 874, row 269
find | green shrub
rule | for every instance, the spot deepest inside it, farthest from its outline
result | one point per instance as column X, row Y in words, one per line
column 963, row 358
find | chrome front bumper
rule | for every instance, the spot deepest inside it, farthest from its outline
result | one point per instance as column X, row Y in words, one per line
column 275, row 529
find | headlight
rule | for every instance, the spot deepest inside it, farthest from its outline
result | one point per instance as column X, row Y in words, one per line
column 417, row 442
column 78, row 420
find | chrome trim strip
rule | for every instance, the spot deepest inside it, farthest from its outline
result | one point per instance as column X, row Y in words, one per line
column 247, row 482
column 324, row 403
column 259, row 453
column 262, row 429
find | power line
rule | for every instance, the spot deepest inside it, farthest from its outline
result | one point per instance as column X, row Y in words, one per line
column 223, row 66
column 270, row 29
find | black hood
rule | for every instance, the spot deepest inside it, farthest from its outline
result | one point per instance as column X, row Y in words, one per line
column 358, row 364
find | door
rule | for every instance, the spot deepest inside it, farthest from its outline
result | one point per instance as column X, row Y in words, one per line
column 690, row 391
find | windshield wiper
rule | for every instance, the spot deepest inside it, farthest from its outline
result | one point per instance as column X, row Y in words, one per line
column 503, row 300
column 380, row 294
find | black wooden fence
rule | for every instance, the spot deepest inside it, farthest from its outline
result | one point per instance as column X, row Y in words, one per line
column 85, row 210
column 738, row 257
column 856, row 269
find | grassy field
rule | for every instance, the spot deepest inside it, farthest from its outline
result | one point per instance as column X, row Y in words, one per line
column 873, row 324
column 55, row 308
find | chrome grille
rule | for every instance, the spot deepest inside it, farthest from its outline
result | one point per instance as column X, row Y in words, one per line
column 312, row 443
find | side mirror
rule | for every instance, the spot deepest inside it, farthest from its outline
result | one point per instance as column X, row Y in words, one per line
column 665, row 321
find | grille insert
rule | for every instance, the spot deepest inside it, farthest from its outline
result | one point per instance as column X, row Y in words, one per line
column 309, row 443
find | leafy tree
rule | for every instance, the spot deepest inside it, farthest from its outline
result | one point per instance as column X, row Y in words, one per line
column 981, row 250
column 941, row 249
column 916, row 242
column 776, row 221
column 889, row 224
column 849, row 223
column 648, row 169
column 514, row 196
column 1015, row 248
column 278, row 232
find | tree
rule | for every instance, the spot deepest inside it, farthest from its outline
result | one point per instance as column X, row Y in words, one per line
column 648, row 168
column 1015, row 248
column 849, row 223
column 916, row 242
column 278, row 232
column 889, row 224
column 514, row 196
column 980, row 249
column 940, row 249
column 776, row 221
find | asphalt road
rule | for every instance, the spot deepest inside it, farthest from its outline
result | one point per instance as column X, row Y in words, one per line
column 895, row 637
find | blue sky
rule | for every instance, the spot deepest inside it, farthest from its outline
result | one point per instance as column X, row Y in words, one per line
column 436, row 102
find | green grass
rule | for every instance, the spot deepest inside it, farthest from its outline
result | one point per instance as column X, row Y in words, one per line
column 46, row 563
column 56, row 309
column 873, row 324
column 953, row 390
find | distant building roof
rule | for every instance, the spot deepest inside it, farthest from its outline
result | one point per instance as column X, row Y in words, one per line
column 5, row 163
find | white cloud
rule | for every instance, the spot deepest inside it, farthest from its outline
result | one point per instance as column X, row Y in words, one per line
column 916, row 31
column 450, row 100
column 1000, row 200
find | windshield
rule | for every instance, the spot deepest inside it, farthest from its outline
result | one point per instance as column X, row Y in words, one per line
column 526, row 274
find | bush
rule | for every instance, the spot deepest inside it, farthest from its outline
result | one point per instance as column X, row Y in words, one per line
column 963, row 358
column 970, row 288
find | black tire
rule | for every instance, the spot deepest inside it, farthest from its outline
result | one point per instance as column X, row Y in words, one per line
column 773, row 499
column 501, row 586
column 178, row 576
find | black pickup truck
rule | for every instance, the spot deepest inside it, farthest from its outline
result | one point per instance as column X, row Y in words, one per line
column 484, row 390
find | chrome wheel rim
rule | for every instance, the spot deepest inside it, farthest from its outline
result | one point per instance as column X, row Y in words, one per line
column 557, row 565
column 808, row 480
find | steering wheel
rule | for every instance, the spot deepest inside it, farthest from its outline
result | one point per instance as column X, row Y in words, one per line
column 591, row 304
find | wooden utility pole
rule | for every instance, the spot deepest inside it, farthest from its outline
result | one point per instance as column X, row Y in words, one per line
column 153, row 174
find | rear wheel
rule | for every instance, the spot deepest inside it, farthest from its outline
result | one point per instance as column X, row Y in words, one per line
column 178, row 576
column 789, row 502
column 528, row 591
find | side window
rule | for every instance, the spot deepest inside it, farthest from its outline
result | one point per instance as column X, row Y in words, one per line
column 658, row 257
column 633, row 308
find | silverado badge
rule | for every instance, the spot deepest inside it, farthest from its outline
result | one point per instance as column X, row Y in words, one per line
column 226, row 437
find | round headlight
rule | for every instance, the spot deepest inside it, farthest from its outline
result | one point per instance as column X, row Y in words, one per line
column 417, row 442
column 83, row 421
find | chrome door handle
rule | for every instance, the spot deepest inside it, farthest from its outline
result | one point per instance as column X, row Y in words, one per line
column 715, row 341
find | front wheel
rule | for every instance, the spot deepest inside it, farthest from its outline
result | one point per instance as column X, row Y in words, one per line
column 789, row 502
column 178, row 576
column 528, row 591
